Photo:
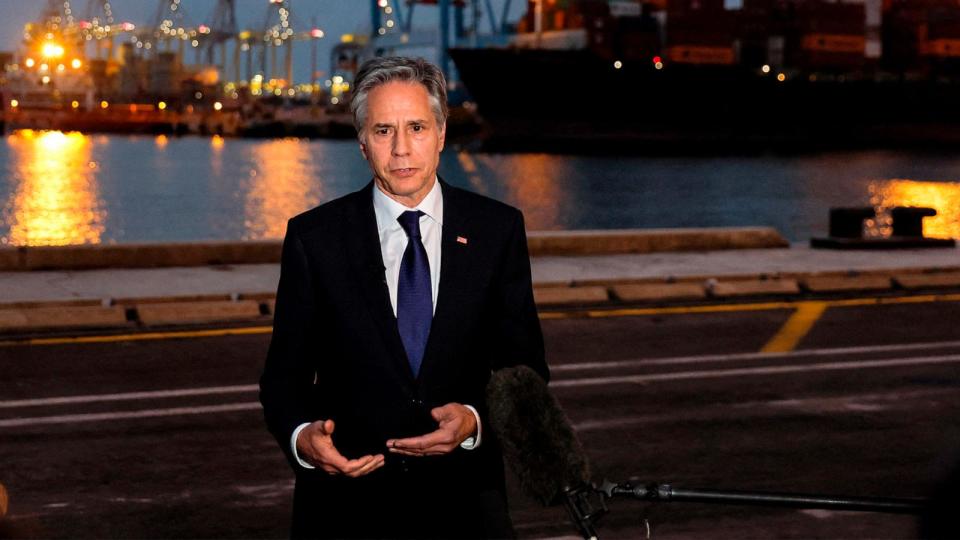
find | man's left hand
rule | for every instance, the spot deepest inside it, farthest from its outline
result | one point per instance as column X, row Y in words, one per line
column 456, row 423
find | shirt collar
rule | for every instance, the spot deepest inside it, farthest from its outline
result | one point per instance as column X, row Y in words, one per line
column 388, row 210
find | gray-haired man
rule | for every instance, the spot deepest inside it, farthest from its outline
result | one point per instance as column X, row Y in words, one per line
column 394, row 304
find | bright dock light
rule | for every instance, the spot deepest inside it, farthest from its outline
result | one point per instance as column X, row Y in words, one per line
column 52, row 50
column 104, row 104
column 617, row 65
column 76, row 63
column 14, row 104
column 765, row 68
column 781, row 77
column 162, row 105
column 217, row 106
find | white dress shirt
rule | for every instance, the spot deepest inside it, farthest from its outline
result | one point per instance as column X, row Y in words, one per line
column 393, row 239
column 393, row 242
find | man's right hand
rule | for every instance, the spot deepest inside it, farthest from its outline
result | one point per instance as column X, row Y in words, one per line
column 315, row 446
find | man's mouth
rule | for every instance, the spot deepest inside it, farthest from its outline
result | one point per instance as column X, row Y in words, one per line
column 404, row 172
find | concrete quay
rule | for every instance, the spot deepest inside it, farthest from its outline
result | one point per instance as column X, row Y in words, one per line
column 541, row 243
column 595, row 275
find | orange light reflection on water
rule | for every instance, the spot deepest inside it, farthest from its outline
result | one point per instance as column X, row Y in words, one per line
column 534, row 190
column 56, row 198
column 944, row 197
column 282, row 184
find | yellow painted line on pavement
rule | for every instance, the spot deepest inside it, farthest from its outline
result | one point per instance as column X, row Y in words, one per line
column 546, row 315
column 733, row 308
column 678, row 310
column 145, row 336
column 797, row 326
column 919, row 299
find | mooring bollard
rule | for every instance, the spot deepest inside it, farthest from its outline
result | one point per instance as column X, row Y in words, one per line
column 846, row 230
column 908, row 220
column 848, row 222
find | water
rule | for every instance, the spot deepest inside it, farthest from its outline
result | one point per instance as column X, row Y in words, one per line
column 70, row 188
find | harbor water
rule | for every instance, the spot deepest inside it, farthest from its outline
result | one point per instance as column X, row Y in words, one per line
column 68, row 188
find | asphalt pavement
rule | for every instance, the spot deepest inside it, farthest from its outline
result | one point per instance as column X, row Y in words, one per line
column 150, row 436
column 135, row 434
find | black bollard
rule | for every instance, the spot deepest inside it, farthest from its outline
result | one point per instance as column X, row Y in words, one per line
column 908, row 220
column 846, row 230
column 848, row 222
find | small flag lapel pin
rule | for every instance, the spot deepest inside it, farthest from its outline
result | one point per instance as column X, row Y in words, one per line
column 462, row 240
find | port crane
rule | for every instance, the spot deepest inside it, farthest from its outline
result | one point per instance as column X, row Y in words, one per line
column 261, row 57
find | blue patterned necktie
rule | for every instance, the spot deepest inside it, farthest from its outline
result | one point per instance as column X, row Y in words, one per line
column 414, row 292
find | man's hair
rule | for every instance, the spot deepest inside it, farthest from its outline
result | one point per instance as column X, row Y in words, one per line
column 379, row 71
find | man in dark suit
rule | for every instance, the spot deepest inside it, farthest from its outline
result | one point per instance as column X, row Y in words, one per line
column 394, row 304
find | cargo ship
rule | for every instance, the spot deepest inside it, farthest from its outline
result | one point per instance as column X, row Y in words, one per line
column 721, row 74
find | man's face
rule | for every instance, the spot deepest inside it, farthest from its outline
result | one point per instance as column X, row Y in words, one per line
column 403, row 141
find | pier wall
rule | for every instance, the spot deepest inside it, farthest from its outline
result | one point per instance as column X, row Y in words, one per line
column 541, row 243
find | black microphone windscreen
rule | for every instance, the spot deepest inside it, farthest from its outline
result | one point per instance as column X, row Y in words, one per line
column 538, row 442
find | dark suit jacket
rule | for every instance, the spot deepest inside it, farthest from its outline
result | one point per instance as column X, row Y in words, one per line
column 336, row 353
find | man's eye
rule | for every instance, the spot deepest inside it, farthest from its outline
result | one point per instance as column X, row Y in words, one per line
column 416, row 127
column 382, row 131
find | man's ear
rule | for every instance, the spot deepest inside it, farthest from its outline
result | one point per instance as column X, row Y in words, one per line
column 443, row 136
column 363, row 150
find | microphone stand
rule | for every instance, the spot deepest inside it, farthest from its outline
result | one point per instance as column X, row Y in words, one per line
column 585, row 516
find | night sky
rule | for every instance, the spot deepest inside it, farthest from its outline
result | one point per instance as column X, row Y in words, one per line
column 334, row 17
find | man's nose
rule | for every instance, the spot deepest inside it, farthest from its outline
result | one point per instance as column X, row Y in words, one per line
column 401, row 143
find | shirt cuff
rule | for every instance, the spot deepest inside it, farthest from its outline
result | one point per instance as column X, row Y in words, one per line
column 470, row 443
column 293, row 445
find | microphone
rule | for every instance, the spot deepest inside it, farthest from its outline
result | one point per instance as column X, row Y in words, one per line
column 540, row 446
column 536, row 437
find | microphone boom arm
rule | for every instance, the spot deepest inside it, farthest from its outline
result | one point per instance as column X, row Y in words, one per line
column 667, row 493
column 585, row 515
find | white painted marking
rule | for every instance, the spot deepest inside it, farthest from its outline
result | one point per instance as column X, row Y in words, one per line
column 815, row 404
column 567, row 383
column 127, row 415
column 128, row 396
column 743, row 372
column 864, row 407
column 582, row 366
column 892, row 398
column 818, row 513
column 187, row 392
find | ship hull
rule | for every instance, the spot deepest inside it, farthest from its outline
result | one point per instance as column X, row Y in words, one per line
column 557, row 99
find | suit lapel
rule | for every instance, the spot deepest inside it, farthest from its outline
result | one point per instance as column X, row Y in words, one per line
column 452, row 258
column 368, row 260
